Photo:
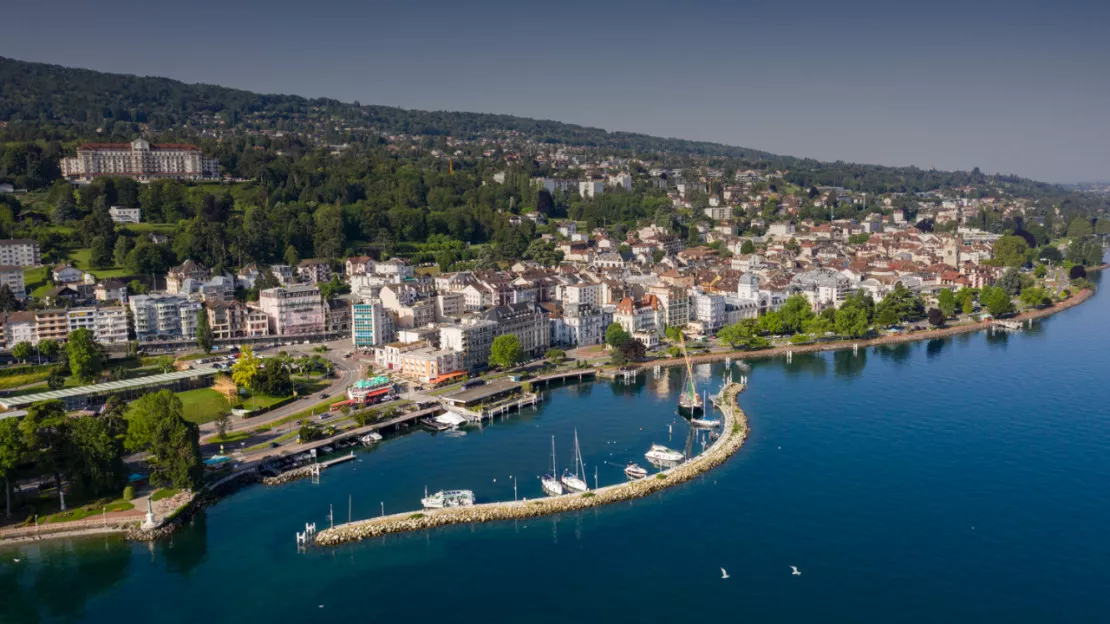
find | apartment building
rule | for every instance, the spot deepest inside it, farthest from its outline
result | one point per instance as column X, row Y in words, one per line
column 708, row 310
column 371, row 325
column 314, row 271
column 472, row 338
column 294, row 310
column 12, row 277
column 188, row 270
column 675, row 303
column 22, row 252
column 160, row 316
column 125, row 215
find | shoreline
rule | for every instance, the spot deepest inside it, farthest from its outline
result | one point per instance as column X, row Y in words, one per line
column 734, row 431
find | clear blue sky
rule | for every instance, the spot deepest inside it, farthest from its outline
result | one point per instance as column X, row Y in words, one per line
column 1014, row 87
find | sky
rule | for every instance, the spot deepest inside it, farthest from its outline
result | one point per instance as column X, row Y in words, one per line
column 1017, row 87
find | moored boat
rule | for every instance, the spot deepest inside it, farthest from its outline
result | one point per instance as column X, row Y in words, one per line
column 635, row 471
column 551, row 484
column 706, row 423
column 659, row 454
column 576, row 482
column 447, row 498
column 371, row 438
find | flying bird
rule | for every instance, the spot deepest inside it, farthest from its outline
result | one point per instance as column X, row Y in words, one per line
column 795, row 570
column 724, row 574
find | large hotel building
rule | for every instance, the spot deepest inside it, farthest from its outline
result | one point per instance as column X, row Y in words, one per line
column 140, row 159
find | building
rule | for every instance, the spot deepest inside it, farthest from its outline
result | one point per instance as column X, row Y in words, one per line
column 371, row 325
column 65, row 274
column 110, row 325
column 338, row 319
column 188, row 270
column 449, row 305
column 294, row 310
column 675, row 303
column 19, row 252
column 12, row 277
column 584, row 324
column 638, row 316
column 582, row 294
column 141, row 160
column 163, row 317
column 472, row 338
column 51, row 324
column 20, row 327
column 125, row 215
column 591, row 188
column 525, row 321
column 111, row 290
column 314, row 271
column 427, row 365
column 708, row 310
column 395, row 270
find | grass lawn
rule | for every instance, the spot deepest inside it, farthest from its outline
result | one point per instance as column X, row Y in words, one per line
column 144, row 228
column 232, row 437
column 163, row 493
column 202, row 405
column 14, row 381
column 86, row 511
column 80, row 258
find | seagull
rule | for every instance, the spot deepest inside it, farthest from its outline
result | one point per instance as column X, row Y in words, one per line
column 15, row 560
column 724, row 575
column 321, row 606
column 795, row 569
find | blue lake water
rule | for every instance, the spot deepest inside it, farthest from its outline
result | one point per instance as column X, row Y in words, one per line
column 951, row 480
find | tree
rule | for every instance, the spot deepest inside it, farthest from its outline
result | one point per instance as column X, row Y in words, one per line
column 936, row 317
column 1034, row 297
column 309, row 432
column 555, row 356
column 157, row 426
column 56, row 380
column 818, row 325
column 23, row 351
column 771, row 323
column 94, row 456
column 615, row 335
column 946, row 301
column 1010, row 282
column 245, row 368
column 12, row 453
column 86, row 356
column 887, row 317
column 8, row 302
column 796, row 311
column 851, row 321
column 1050, row 253
column 49, row 349
column 903, row 303
column 44, row 433
column 747, row 247
column 1080, row 227
column 731, row 334
column 633, row 350
column 205, row 339
column 543, row 253
column 1011, row 251
column 997, row 301
column 965, row 299
column 223, row 422
column 505, row 351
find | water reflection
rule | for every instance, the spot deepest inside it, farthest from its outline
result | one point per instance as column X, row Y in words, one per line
column 186, row 549
column 848, row 364
column 55, row 580
column 899, row 353
column 934, row 347
column 812, row 363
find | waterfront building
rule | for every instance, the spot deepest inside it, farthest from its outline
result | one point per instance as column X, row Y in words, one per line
column 643, row 315
column 708, row 310
column 22, row 252
column 294, row 310
column 585, row 324
column 141, row 160
column 472, row 337
column 525, row 321
column 675, row 304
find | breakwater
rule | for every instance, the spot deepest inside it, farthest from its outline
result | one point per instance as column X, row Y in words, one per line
column 734, row 432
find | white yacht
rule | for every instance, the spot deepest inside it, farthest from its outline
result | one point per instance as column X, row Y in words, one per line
column 371, row 438
column 447, row 498
column 549, row 481
column 660, row 454
column 706, row 423
column 634, row 471
column 576, row 482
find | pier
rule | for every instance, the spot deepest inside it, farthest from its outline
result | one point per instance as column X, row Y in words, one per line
column 733, row 434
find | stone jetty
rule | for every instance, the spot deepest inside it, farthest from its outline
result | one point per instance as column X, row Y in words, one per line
column 292, row 475
column 734, row 432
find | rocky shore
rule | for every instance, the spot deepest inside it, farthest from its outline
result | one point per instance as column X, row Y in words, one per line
column 291, row 475
column 734, row 432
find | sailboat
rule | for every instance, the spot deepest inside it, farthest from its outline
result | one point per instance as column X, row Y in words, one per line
column 576, row 482
column 549, row 481
column 689, row 402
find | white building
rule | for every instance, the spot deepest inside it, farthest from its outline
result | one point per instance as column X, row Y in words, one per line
column 164, row 317
column 582, row 294
column 591, row 188
column 125, row 215
column 708, row 310
column 294, row 310
column 141, row 160
column 19, row 252
column 12, row 277
column 472, row 338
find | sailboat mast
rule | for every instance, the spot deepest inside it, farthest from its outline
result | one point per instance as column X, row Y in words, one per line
column 689, row 368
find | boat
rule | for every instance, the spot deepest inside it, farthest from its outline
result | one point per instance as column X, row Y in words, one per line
column 432, row 424
column 371, row 438
column 659, row 454
column 326, row 450
column 706, row 423
column 689, row 402
column 447, row 498
column 549, row 481
column 635, row 471
column 576, row 482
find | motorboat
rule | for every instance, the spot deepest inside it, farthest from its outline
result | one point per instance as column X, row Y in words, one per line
column 659, row 454
column 635, row 471
column 326, row 450
column 371, row 438
column 432, row 424
column 706, row 423
column 447, row 498
column 575, row 482
column 551, row 484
